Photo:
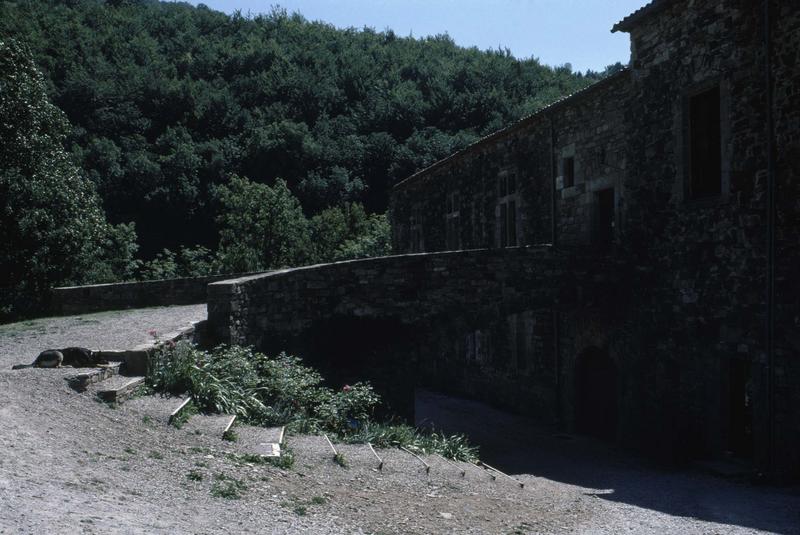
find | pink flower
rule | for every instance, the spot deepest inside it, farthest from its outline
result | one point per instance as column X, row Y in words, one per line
column 347, row 388
column 153, row 333
column 170, row 344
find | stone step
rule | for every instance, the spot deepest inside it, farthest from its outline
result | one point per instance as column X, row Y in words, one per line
column 210, row 424
column 160, row 407
column 88, row 376
column 263, row 441
column 118, row 388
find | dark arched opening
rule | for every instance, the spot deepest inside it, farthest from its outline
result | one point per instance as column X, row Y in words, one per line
column 596, row 394
column 347, row 349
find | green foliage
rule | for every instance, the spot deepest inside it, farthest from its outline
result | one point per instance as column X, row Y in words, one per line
column 227, row 487
column 392, row 435
column 346, row 232
column 282, row 391
column 52, row 228
column 194, row 475
column 340, row 459
column 374, row 240
column 187, row 262
column 180, row 419
column 261, row 227
column 168, row 100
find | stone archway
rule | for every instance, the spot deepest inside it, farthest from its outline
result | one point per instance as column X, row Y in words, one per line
column 596, row 394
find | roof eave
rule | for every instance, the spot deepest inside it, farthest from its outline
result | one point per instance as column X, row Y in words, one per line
column 638, row 16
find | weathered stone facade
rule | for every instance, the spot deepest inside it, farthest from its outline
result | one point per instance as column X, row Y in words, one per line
column 664, row 310
column 402, row 321
column 134, row 294
column 703, row 342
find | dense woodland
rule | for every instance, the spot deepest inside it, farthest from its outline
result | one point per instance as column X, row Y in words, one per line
column 229, row 143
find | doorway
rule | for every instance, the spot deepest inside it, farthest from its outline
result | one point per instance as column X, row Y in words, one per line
column 740, row 436
column 596, row 394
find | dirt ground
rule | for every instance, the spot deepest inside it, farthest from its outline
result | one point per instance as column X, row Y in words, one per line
column 70, row 464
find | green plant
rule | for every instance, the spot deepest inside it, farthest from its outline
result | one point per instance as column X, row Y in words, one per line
column 194, row 475
column 156, row 455
column 285, row 461
column 180, row 419
column 227, row 487
column 230, row 436
column 318, row 500
column 340, row 459
column 282, row 391
column 300, row 510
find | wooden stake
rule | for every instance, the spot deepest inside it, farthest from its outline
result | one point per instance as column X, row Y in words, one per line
column 517, row 481
column 451, row 463
column 427, row 466
column 483, row 471
column 335, row 453
column 380, row 461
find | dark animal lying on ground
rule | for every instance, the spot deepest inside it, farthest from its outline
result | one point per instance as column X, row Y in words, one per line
column 77, row 357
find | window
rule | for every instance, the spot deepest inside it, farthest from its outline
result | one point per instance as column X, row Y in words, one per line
column 416, row 238
column 507, row 211
column 705, row 145
column 453, row 221
column 604, row 218
column 507, row 185
column 568, row 171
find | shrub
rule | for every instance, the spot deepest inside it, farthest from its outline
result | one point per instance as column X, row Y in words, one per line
column 282, row 391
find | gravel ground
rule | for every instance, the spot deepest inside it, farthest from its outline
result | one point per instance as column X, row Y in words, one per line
column 20, row 343
column 70, row 464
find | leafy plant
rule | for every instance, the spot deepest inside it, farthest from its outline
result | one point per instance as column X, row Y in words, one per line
column 282, row 391
column 180, row 419
column 227, row 487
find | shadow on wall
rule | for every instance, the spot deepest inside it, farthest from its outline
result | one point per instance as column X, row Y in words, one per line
column 350, row 349
column 596, row 394
column 518, row 445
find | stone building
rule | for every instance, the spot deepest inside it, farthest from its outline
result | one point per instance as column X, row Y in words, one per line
column 682, row 172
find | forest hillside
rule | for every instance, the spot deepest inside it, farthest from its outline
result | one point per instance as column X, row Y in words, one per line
column 203, row 128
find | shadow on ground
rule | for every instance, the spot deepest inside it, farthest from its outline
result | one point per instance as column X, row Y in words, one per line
column 519, row 446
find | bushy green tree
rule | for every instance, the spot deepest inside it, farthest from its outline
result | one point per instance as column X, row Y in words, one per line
column 346, row 232
column 52, row 227
column 261, row 227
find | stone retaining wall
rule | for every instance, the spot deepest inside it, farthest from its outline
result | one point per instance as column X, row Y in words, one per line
column 139, row 294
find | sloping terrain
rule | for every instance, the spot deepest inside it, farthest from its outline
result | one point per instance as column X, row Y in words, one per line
column 72, row 464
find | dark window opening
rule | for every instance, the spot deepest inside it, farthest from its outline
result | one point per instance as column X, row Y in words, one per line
column 740, row 389
column 604, row 221
column 568, row 171
column 507, row 185
column 705, row 145
column 508, row 224
column 453, row 222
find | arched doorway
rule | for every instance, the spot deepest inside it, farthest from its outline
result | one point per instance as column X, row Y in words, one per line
column 596, row 394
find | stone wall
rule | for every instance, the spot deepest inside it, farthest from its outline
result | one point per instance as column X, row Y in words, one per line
column 786, row 76
column 699, row 371
column 478, row 322
column 121, row 295
column 458, row 203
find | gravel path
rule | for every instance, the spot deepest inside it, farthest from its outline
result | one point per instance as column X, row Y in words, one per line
column 70, row 464
column 21, row 342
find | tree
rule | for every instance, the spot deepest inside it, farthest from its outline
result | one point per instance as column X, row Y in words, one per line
column 261, row 227
column 52, row 227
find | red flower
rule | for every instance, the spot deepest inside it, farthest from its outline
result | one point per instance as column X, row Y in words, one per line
column 153, row 333
column 347, row 388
